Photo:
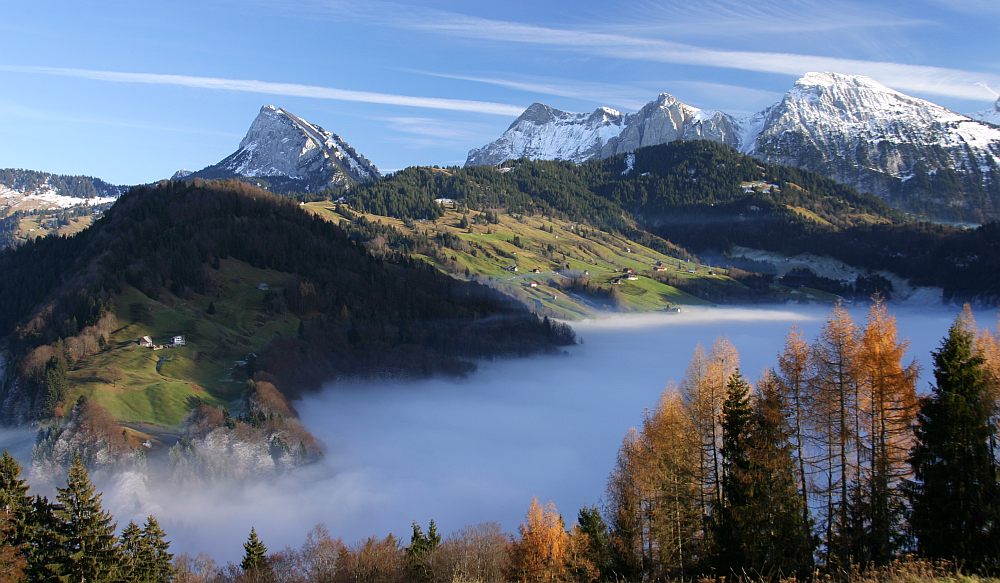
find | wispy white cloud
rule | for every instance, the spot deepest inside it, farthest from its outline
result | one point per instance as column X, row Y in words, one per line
column 436, row 129
column 640, row 41
column 614, row 95
column 957, row 83
column 732, row 98
column 17, row 110
column 272, row 88
column 714, row 18
column 973, row 7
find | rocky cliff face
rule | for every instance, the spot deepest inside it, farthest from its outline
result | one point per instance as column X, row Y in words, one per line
column 667, row 119
column 917, row 155
column 288, row 154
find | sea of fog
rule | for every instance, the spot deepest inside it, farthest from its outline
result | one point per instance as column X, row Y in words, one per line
column 478, row 449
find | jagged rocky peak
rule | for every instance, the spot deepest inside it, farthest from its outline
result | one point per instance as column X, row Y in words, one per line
column 666, row 119
column 288, row 153
column 539, row 113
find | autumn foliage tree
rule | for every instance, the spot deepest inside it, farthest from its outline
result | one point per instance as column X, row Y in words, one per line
column 541, row 552
column 888, row 411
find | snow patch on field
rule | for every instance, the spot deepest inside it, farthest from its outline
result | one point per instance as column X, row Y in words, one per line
column 46, row 199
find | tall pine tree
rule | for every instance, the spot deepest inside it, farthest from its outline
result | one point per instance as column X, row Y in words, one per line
column 15, row 503
column 730, row 523
column 255, row 565
column 86, row 531
column 157, row 561
column 955, row 496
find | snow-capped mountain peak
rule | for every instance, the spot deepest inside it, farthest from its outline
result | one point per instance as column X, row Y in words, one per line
column 292, row 154
column 543, row 132
column 916, row 154
column 860, row 132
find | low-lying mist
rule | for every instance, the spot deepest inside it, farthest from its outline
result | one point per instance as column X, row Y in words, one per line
column 478, row 449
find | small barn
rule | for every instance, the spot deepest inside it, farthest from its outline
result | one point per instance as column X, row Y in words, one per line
column 145, row 342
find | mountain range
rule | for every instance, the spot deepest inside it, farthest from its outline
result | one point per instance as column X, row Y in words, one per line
column 285, row 153
column 917, row 155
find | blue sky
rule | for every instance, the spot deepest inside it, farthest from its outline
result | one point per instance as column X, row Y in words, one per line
column 131, row 91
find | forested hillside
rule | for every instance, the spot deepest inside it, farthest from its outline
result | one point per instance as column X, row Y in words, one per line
column 706, row 196
column 242, row 276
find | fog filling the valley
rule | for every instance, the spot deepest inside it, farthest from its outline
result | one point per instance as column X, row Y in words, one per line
column 478, row 449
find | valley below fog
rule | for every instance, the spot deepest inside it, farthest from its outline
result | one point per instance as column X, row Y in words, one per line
column 478, row 449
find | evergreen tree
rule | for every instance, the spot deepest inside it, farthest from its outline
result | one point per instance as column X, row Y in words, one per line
column 731, row 536
column 15, row 503
column 255, row 565
column 144, row 554
column 955, row 496
column 759, row 528
column 44, row 551
column 86, row 530
column 779, row 539
column 157, row 560
column 591, row 523
column 130, row 549
column 419, row 553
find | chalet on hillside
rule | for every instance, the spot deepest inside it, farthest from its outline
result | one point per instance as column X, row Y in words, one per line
column 177, row 341
column 145, row 342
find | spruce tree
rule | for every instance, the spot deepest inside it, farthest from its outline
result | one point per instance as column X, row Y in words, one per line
column 44, row 550
column 730, row 515
column 86, row 530
column 14, row 500
column 779, row 540
column 418, row 554
column 157, row 560
column 955, row 495
column 255, row 564
column 592, row 524
column 130, row 550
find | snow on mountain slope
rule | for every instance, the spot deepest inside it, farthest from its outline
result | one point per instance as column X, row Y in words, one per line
column 292, row 154
column 917, row 155
column 29, row 190
column 542, row 132
column 667, row 119
column 545, row 133
column 991, row 115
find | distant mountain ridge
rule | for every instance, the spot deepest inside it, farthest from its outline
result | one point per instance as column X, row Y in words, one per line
column 286, row 153
column 917, row 155
column 543, row 132
column 34, row 190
